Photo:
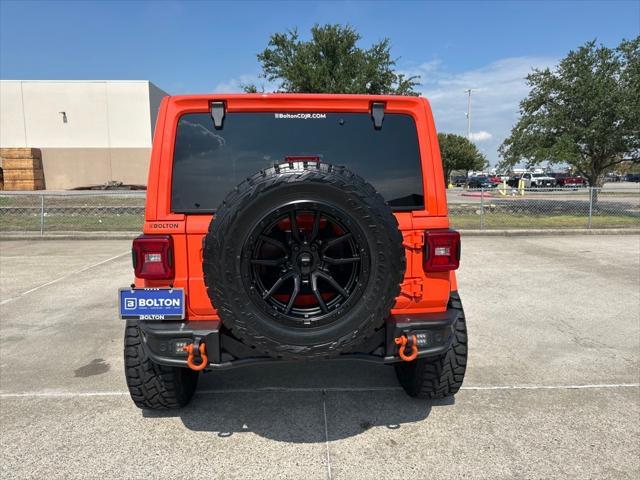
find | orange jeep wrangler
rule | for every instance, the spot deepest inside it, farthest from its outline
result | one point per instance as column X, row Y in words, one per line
column 282, row 227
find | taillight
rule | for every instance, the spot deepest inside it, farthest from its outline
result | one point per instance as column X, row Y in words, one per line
column 153, row 257
column 441, row 250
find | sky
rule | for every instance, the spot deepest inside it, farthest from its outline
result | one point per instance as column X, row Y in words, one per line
column 203, row 46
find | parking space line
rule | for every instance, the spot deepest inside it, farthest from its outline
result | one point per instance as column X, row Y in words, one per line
column 233, row 391
column 326, row 434
column 63, row 394
column 553, row 387
column 75, row 272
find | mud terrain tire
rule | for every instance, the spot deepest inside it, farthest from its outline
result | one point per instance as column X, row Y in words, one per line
column 440, row 377
column 153, row 386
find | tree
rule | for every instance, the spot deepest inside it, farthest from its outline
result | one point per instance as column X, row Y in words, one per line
column 585, row 113
column 459, row 153
column 331, row 62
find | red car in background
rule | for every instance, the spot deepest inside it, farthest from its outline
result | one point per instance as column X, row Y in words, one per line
column 568, row 180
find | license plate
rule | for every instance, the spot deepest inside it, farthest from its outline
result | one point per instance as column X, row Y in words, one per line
column 151, row 303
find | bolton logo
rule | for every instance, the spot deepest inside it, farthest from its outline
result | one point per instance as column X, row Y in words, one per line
column 129, row 303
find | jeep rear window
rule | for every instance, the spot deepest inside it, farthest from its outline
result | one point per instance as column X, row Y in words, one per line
column 208, row 163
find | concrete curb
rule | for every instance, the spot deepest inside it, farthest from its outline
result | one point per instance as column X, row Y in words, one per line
column 70, row 236
column 464, row 232
column 549, row 232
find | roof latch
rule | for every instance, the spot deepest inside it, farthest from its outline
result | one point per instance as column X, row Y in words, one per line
column 217, row 114
column 377, row 114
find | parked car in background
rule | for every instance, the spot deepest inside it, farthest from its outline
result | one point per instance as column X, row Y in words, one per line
column 569, row 180
column 481, row 181
column 632, row 177
column 496, row 179
column 459, row 180
column 514, row 180
column 536, row 180
column 614, row 177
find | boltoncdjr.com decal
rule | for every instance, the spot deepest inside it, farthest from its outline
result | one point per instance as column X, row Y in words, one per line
column 300, row 116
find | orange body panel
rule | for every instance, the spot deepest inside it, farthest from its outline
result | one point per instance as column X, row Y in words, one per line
column 421, row 292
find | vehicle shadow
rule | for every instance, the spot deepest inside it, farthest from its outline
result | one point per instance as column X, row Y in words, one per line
column 292, row 402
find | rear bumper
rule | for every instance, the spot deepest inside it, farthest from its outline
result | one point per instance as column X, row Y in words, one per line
column 163, row 341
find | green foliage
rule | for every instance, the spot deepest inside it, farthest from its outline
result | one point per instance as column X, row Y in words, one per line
column 585, row 113
column 331, row 62
column 250, row 88
column 459, row 153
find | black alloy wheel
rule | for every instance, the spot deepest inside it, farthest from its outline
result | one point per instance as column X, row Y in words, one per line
column 304, row 262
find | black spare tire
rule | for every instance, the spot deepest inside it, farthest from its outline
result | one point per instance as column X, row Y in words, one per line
column 303, row 260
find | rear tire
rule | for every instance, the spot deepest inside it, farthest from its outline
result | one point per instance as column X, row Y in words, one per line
column 153, row 386
column 440, row 377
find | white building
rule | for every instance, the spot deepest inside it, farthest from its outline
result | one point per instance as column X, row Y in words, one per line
column 89, row 132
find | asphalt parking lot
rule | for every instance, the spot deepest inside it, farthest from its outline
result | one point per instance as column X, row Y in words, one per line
column 552, row 389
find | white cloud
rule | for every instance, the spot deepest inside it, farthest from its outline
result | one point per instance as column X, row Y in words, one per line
column 234, row 85
column 480, row 136
column 497, row 88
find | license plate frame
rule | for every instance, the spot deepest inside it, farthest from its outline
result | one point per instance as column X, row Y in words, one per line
column 157, row 304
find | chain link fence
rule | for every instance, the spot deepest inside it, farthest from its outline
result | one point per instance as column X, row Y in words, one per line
column 81, row 211
column 43, row 213
column 540, row 208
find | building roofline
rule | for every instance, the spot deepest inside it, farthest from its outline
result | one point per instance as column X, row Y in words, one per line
column 73, row 81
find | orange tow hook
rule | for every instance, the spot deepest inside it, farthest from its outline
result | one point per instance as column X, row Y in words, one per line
column 202, row 350
column 402, row 341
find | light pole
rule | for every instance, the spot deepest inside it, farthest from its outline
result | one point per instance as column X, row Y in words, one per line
column 468, row 91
